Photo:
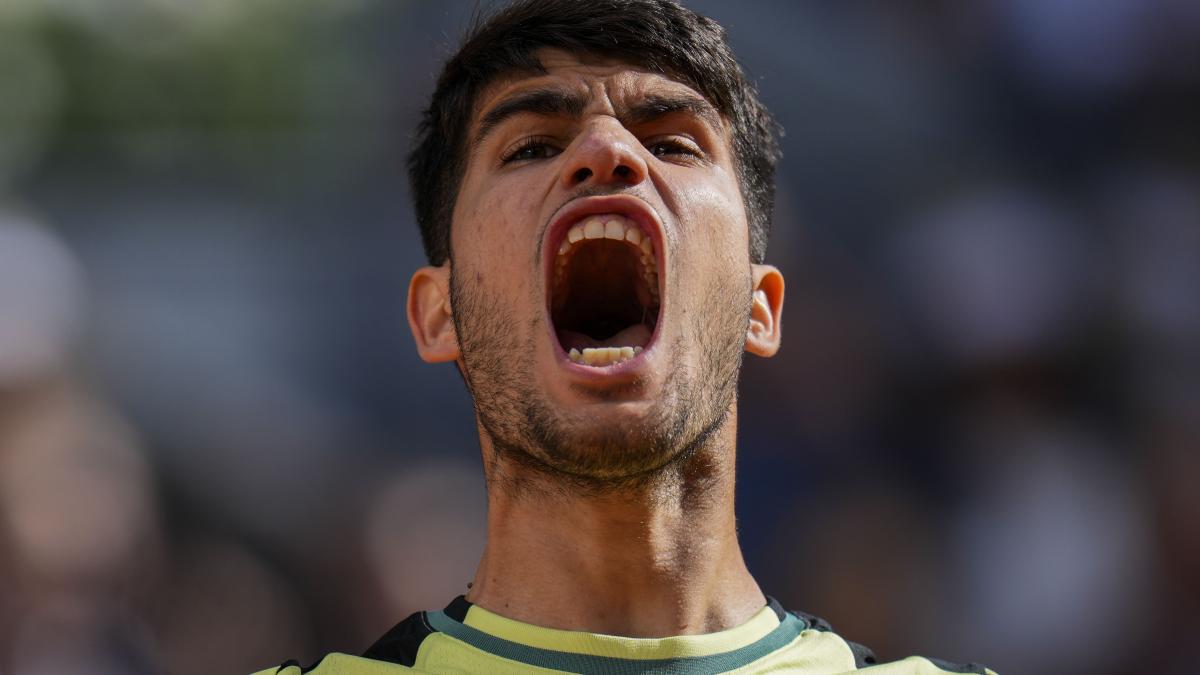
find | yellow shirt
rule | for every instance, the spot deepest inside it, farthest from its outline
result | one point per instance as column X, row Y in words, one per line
column 465, row 638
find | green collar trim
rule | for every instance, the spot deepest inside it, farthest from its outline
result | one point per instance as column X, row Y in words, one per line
column 781, row 636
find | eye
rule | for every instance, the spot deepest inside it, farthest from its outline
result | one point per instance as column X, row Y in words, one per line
column 530, row 149
column 673, row 146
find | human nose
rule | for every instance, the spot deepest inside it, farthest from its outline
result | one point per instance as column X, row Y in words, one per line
column 606, row 153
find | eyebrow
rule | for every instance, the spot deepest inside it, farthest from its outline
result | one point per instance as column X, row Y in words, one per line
column 653, row 107
column 563, row 103
column 544, row 102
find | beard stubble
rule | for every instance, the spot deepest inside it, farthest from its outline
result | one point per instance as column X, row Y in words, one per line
column 587, row 455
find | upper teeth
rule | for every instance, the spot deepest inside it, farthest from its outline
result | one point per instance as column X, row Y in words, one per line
column 615, row 227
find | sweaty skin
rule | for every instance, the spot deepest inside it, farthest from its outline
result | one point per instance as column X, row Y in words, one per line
column 610, row 497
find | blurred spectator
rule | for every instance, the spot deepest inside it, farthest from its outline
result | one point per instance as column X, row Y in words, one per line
column 978, row 440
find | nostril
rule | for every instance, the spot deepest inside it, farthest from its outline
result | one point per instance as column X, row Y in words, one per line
column 623, row 172
column 581, row 175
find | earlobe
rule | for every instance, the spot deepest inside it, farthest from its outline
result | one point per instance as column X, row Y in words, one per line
column 766, row 312
column 430, row 315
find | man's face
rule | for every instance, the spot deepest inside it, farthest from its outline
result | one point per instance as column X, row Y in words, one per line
column 600, row 277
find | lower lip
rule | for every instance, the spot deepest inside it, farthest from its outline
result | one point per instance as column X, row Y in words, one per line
column 601, row 372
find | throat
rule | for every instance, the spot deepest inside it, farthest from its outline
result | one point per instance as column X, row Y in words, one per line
column 628, row 593
column 650, row 562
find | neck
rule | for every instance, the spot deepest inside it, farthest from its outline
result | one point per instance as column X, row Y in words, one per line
column 655, row 560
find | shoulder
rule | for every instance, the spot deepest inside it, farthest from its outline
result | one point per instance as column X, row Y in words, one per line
column 395, row 652
column 338, row 664
column 865, row 661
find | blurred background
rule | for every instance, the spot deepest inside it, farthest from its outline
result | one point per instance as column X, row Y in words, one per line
column 219, row 451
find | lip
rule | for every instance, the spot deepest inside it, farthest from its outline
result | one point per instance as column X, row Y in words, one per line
column 636, row 210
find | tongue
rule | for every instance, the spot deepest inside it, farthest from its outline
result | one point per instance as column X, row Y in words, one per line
column 637, row 335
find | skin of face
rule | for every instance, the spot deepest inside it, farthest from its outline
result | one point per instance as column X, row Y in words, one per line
column 487, row 308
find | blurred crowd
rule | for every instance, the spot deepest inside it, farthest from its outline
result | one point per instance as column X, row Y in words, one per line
column 219, row 451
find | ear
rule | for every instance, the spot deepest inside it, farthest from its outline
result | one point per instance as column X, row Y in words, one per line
column 430, row 315
column 766, row 312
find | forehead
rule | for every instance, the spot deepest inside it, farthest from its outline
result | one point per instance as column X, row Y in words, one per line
column 600, row 79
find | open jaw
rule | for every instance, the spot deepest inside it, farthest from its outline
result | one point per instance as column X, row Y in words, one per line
column 604, row 293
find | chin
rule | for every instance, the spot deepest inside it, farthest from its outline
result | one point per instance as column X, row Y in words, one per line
column 609, row 440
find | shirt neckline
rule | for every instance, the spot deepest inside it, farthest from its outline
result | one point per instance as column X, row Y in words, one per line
column 768, row 630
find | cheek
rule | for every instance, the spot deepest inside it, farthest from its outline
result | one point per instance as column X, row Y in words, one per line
column 714, row 229
column 493, row 239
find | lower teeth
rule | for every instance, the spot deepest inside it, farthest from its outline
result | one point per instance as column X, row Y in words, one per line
column 603, row 356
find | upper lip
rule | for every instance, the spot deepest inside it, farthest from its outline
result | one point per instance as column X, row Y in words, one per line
column 626, row 205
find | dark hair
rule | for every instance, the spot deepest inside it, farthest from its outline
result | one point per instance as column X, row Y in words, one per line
column 659, row 35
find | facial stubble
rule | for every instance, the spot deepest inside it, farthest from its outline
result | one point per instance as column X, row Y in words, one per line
column 593, row 455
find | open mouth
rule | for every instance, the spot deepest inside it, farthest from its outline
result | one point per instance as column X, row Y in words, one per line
column 604, row 297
